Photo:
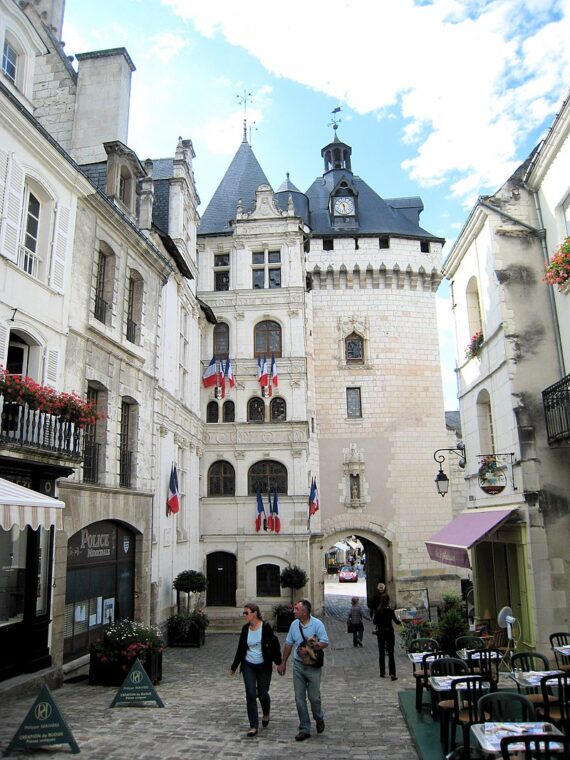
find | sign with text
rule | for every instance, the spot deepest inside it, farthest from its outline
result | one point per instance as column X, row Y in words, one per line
column 43, row 726
column 137, row 689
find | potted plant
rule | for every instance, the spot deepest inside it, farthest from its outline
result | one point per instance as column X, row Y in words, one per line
column 123, row 641
column 190, row 582
column 284, row 616
column 474, row 346
column 451, row 623
column 293, row 577
column 557, row 271
column 188, row 629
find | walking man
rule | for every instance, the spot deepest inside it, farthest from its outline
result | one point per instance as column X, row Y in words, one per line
column 307, row 636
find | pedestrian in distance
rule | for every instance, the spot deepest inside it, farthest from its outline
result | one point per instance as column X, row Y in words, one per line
column 354, row 622
column 258, row 648
column 384, row 617
column 307, row 638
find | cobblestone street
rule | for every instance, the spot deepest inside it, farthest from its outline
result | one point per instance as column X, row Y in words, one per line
column 205, row 711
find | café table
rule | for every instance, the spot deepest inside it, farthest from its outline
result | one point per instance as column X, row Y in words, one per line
column 563, row 649
column 488, row 735
column 416, row 658
column 530, row 678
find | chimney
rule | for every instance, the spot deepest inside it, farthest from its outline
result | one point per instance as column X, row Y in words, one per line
column 102, row 105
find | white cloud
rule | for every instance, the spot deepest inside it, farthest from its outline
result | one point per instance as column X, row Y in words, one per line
column 167, row 46
column 472, row 79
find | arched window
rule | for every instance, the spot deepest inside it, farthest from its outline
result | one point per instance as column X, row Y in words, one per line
column 212, row 412
column 474, row 315
column 267, row 339
column 268, row 580
column 104, row 283
column 255, row 410
column 229, row 412
column 221, row 340
column 278, row 409
column 265, row 476
column 221, row 479
column 354, row 349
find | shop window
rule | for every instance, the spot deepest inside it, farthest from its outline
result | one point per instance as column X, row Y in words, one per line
column 212, row 411
column 255, row 410
column 268, row 580
column 267, row 339
column 221, row 346
column 221, row 479
column 265, row 476
column 13, row 546
column 278, row 410
column 229, row 413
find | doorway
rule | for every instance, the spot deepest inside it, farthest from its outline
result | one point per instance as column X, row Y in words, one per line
column 221, row 575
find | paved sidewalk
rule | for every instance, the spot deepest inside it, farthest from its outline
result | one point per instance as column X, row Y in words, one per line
column 205, row 713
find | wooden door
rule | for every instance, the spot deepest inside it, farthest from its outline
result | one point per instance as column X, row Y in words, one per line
column 221, row 574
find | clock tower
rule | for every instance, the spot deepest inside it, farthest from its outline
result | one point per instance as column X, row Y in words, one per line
column 343, row 195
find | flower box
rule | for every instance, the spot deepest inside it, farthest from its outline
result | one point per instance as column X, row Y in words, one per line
column 194, row 637
column 104, row 672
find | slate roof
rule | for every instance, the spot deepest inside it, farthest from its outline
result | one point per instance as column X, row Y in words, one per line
column 376, row 216
column 96, row 174
column 243, row 177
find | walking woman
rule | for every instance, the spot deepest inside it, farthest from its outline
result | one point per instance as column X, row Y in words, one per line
column 383, row 619
column 355, row 624
column 257, row 650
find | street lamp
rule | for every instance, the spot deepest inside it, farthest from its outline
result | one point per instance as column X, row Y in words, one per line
column 441, row 479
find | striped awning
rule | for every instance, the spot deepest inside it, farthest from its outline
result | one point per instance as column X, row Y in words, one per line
column 23, row 507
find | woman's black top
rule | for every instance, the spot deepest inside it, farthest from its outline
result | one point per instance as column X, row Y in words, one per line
column 270, row 647
column 384, row 617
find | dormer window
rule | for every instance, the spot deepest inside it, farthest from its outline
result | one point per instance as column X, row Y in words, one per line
column 10, row 61
column 126, row 185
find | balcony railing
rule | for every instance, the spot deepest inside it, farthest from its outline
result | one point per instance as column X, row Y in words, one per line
column 91, row 451
column 30, row 428
column 556, row 401
column 125, row 468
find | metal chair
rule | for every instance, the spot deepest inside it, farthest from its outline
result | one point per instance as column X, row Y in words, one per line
column 446, row 666
column 466, row 694
column 422, row 675
column 536, row 746
column 505, row 706
column 557, row 712
column 470, row 642
column 559, row 639
column 485, row 663
column 421, row 645
column 527, row 661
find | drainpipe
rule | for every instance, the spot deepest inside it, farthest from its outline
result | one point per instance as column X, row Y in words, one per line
column 553, row 312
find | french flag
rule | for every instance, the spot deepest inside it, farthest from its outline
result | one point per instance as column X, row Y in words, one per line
column 262, row 374
column 222, row 381
column 173, row 498
column 230, row 373
column 313, row 498
column 260, row 513
column 270, row 518
column 276, row 519
column 274, row 377
column 210, row 376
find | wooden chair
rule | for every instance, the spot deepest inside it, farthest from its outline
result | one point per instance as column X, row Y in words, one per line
column 505, row 706
column 485, row 663
column 446, row 666
column 470, row 642
column 527, row 661
column 559, row 639
column 500, row 641
column 466, row 694
column 557, row 712
column 536, row 746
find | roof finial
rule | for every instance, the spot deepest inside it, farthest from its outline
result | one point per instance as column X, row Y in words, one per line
column 335, row 121
column 244, row 99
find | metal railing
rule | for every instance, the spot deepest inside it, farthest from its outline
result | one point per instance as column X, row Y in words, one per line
column 22, row 426
column 100, row 311
column 125, row 468
column 91, row 451
column 28, row 261
column 131, row 331
column 556, row 401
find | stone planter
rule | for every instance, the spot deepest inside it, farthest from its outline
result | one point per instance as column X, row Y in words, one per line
column 114, row 673
column 283, row 620
column 194, row 637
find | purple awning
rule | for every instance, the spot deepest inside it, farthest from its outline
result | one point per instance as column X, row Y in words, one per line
column 450, row 545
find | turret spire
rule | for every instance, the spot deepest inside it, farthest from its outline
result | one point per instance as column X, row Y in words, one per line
column 243, row 100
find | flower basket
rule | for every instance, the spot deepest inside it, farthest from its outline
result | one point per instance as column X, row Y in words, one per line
column 123, row 641
column 474, row 346
column 557, row 271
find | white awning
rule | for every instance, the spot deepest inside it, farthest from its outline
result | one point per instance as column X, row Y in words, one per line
column 343, row 547
column 22, row 507
column 354, row 544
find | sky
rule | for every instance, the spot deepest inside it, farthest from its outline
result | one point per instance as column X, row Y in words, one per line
column 440, row 98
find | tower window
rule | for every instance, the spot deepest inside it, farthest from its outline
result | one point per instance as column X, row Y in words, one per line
column 354, row 349
column 353, row 404
column 328, row 244
column 384, row 242
column 424, row 246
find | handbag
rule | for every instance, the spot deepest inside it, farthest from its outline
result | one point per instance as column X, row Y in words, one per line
column 317, row 657
column 349, row 627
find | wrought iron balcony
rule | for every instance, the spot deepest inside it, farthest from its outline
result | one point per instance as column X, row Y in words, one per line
column 22, row 426
column 556, row 401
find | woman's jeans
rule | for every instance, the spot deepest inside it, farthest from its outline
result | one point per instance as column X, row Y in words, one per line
column 257, row 680
column 386, row 641
column 357, row 633
column 307, row 683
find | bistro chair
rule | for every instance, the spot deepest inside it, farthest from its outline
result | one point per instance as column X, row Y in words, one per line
column 501, row 642
column 466, row 694
column 527, row 661
column 505, row 706
column 422, row 675
column 470, row 642
column 462, row 754
column 421, row 645
column 536, row 747
column 560, row 639
column 485, row 662
column 446, row 666
column 557, row 712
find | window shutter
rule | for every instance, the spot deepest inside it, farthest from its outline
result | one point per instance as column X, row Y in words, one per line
column 51, row 366
column 13, row 192
column 59, row 249
column 4, row 338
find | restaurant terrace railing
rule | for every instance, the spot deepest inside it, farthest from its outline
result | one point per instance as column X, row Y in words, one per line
column 22, row 426
column 556, row 401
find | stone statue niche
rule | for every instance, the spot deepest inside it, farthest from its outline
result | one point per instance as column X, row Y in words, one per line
column 355, row 487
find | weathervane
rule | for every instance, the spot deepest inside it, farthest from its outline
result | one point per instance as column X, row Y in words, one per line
column 243, row 100
column 335, row 121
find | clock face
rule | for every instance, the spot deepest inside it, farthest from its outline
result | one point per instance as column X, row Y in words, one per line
column 344, row 206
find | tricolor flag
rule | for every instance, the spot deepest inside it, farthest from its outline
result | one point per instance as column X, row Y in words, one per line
column 262, row 375
column 210, row 376
column 274, row 378
column 222, row 381
column 260, row 513
column 173, row 498
column 270, row 508
column 276, row 518
column 229, row 372
column 313, row 498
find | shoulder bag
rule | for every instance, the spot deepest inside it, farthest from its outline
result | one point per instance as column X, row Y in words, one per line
column 316, row 658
